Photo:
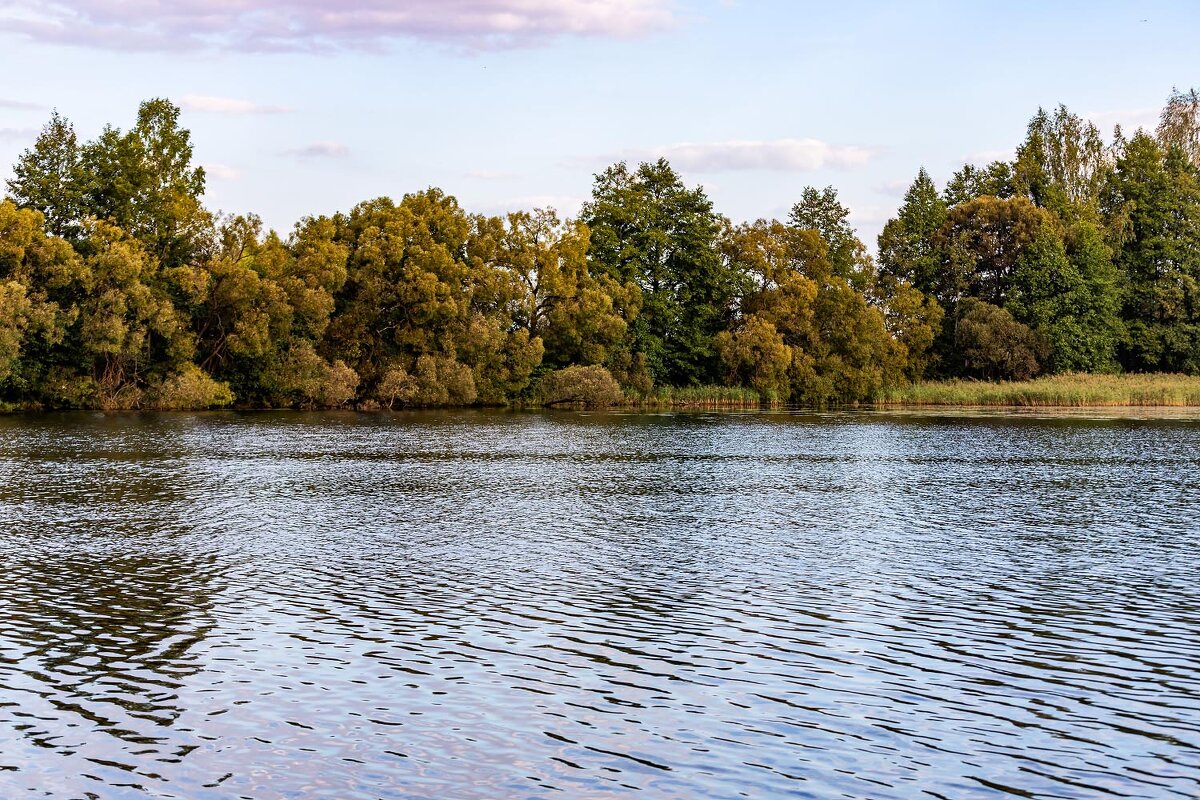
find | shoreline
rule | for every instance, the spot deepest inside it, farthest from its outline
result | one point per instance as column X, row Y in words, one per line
column 1066, row 392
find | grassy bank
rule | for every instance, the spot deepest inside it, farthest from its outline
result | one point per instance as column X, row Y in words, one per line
column 1072, row 390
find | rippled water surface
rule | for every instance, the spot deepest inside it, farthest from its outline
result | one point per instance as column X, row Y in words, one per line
column 500, row 605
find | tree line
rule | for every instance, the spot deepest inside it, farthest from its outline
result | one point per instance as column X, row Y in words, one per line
column 119, row 289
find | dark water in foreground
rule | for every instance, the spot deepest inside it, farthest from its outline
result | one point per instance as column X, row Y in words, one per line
column 489, row 605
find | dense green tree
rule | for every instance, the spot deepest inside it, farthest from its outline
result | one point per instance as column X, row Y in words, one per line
column 49, row 178
column 240, row 316
column 143, row 182
column 913, row 318
column 993, row 345
column 590, row 386
column 647, row 228
column 821, row 211
column 765, row 252
column 40, row 280
column 970, row 182
column 581, row 318
column 803, row 320
column 119, row 290
column 982, row 241
column 909, row 245
column 129, row 333
column 254, row 297
column 756, row 355
column 302, row 378
column 424, row 279
column 407, row 279
column 1154, row 206
column 1066, row 290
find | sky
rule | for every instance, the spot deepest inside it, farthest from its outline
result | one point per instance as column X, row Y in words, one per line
column 305, row 107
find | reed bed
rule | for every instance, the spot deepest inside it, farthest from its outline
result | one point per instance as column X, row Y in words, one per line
column 1070, row 390
column 701, row 397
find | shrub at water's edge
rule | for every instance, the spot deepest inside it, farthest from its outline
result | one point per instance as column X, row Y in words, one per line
column 1072, row 390
column 590, row 387
column 190, row 389
column 594, row 387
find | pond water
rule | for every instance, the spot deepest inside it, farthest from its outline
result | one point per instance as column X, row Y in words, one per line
column 478, row 605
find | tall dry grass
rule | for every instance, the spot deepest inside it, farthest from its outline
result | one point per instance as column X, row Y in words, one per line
column 1069, row 390
column 700, row 397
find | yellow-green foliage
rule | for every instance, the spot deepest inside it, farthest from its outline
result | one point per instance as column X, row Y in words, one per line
column 807, row 332
column 756, row 355
column 1071, row 390
column 190, row 388
column 592, row 386
column 305, row 379
column 434, row 381
column 118, row 289
column 14, row 314
column 63, row 388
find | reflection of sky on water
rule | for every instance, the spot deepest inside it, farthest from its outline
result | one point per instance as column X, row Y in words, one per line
column 484, row 604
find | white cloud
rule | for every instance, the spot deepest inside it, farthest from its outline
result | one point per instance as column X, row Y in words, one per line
column 776, row 155
column 320, row 150
column 227, row 105
column 307, row 25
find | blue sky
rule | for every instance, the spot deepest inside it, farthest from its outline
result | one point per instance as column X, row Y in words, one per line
column 309, row 106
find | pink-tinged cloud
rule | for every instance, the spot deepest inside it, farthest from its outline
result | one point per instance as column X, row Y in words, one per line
column 322, row 25
column 227, row 105
column 222, row 171
column 775, row 155
column 320, row 150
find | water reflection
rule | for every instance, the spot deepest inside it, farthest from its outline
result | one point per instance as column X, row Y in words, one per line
column 483, row 605
column 96, row 649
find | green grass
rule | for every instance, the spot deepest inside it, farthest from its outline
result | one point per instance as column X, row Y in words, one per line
column 700, row 397
column 1070, row 390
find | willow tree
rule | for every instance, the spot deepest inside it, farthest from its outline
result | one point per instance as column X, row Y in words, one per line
column 581, row 317
column 41, row 282
column 804, row 331
column 426, row 312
